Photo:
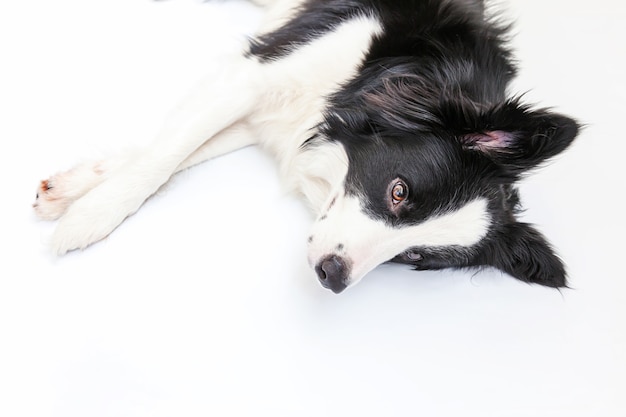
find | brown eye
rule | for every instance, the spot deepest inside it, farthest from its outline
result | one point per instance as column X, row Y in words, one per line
column 399, row 192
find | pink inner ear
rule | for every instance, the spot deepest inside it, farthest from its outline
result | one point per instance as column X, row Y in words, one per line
column 486, row 141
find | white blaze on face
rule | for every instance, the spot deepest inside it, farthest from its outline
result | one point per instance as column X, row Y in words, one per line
column 347, row 231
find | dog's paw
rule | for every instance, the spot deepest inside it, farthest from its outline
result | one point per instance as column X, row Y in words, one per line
column 85, row 222
column 47, row 206
column 57, row 193
column 96, row 214
column 77, row 230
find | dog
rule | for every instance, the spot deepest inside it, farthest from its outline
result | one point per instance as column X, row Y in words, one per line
column 391, row 118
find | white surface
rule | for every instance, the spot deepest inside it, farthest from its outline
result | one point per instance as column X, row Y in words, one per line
column 202, row 303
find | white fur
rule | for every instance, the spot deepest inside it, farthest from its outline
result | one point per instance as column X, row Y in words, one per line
column 303, row 80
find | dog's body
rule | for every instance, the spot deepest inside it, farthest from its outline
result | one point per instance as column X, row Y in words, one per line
column 390, row 117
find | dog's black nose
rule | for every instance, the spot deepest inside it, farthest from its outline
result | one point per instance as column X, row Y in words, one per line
column 333, row 273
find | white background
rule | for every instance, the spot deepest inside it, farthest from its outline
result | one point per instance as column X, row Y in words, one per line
column 202, row 304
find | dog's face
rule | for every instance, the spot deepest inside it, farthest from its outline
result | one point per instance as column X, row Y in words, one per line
column 398, row 197
column 437, row 199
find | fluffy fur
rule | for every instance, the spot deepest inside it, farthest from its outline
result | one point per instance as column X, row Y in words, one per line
column 390, row 117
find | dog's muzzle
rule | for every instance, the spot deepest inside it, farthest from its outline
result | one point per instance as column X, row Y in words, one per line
column 333, row 273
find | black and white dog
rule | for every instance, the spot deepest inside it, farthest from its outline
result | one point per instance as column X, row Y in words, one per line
column 390, row 117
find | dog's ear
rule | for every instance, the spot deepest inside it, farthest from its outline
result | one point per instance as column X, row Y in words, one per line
column 522, row 252
column 515, row 137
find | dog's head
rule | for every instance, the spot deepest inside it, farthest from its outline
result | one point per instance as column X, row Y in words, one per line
column 437, row 195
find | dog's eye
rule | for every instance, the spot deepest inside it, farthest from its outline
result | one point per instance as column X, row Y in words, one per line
column 399, row 192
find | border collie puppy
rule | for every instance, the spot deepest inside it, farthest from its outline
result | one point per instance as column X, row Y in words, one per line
column 390, row 117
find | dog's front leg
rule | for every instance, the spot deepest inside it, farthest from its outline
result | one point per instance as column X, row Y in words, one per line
column 224, row 99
